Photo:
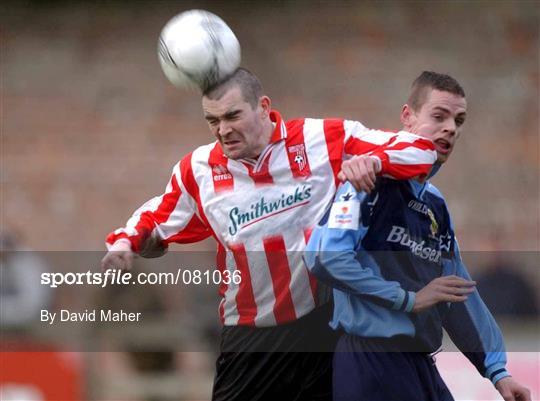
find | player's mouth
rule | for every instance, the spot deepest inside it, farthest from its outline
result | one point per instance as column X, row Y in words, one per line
column 231, row 143
column 443, row 146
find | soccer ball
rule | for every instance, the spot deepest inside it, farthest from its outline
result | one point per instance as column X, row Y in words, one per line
column 197, row 49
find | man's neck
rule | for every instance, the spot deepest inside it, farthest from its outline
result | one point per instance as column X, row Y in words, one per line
column 268, row 131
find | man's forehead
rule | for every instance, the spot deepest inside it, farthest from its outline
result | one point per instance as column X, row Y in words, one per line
column 231, row 99
column 446, row 100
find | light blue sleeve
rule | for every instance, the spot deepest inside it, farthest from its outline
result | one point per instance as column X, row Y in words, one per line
column 331, row 255
column 473, row 329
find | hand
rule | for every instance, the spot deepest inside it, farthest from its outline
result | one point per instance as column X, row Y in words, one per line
column 153, row 247
column 443, row 289
column 361, row 172
column 119, row 257
column 512, row 390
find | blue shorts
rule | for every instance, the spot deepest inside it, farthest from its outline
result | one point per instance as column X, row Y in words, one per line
column 364, row 372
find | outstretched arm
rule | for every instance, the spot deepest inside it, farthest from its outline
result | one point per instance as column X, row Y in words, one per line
column 400, row 155
column 473, row 329
column 171, row 217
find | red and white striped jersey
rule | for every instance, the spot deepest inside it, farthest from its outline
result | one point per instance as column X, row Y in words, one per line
column 261, row 212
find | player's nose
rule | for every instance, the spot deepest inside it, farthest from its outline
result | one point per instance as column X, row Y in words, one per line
column 450, row 127
column 224, row 128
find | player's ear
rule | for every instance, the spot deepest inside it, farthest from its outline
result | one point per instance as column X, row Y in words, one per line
column 407, row 117
column 266, row 105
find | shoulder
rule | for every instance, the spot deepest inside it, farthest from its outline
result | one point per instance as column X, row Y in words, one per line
column 310, row 123
column 203, row 154
column 434, row 191
column 198, row 158
column 295, row 123
column 437, row 201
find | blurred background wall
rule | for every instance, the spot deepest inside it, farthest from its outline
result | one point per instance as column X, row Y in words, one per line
column 90, row 128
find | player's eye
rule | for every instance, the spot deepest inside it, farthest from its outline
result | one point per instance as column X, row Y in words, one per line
column 233, row 116
column 438, row 117
column 460, row 121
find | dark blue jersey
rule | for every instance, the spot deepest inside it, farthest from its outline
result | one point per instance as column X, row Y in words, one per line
column 378, row 250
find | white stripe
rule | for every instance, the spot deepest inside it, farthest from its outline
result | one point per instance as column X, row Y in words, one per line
column 405, row 136
column 230, row 312
column 182, row 213
column 199, row 163
column 179, row 218
column 239, row 173
column 283, row 130
column 300, row 289
column 357, row 130
column 316, row 149
column 150, row 205
column 261, row 282
column 279, row 167
column 322, row 174
column 411, row 156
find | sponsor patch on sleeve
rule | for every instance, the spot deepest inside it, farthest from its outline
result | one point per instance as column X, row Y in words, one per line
column 345, row 214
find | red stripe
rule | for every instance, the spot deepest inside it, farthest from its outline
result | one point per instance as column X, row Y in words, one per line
column 275, row 117
column 278, row 264
column 405, row 171
column 334, row 135
column 355, row 146
column 245, row 300
column 295, row 148
column 263, row 176
column 149, row 219
column 188, row 179
column 222, row 178
column 194, row 231
column 307, row 234
column 312, row 279
column 112, row 237
column 192, row 188
column 221, row 265
column 420, row 143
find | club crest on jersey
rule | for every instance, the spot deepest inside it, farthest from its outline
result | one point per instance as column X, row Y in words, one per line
column 434, row 225
column 298, row 160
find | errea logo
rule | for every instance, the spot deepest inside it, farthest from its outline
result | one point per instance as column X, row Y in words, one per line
column 220, row 173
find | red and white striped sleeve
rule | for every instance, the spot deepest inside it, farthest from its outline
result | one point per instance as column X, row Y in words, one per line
column 170, row 217
column 402, row 155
